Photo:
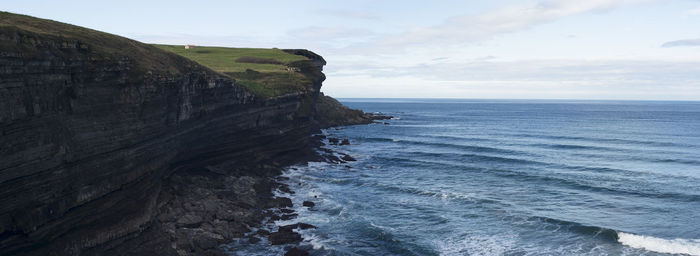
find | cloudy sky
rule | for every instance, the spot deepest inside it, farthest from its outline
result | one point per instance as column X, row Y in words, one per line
column 507, row 49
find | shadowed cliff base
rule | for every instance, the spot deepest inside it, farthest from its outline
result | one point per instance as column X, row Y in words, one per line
column 330, row 112
column 115, row 147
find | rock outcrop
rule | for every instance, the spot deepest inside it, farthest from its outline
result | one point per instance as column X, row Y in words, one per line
column 107, row 142
column 330, row 112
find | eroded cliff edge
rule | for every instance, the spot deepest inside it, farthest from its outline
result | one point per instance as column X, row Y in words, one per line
column 102, row 135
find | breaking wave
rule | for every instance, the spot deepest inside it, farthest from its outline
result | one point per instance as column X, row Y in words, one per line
column 654, row 244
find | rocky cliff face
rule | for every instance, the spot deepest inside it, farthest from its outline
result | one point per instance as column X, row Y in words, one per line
column 94, row 126
column 330, row 112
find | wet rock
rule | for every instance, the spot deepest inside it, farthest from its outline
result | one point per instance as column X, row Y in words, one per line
column 253, row 240
column 348, row 158
column 333, row 159
column 274, row 218
column 262, row 232
column 287, row 228
column 285, row 189
column 284, row 236
column 289, row 216
column 294, row 251
column 333, row 141
column 282, row 202
column 299, row 225
column 308, row 204
column 302, row 225
column 286, row 210
column 345, row 142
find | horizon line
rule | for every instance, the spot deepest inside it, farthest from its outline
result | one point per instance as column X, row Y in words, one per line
column 513, row 99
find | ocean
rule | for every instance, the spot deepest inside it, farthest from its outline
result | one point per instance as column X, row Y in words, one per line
column 507, row 177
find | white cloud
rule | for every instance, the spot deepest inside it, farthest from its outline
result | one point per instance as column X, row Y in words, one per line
column 328, row 33
column 508, row 19
column 575, row 79
column 551, row 70
column 684, row 42
column 695, row 11
column 411, row 87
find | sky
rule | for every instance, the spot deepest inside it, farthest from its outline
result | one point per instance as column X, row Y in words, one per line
column 497, row 49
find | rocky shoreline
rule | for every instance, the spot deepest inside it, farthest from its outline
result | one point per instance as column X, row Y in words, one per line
column 209, row 209
column 288, row 235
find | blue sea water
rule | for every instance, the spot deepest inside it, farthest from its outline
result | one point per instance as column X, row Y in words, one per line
column 499, row 177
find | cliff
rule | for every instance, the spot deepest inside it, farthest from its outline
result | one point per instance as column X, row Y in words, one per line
column 106, row 140
column 330, row 112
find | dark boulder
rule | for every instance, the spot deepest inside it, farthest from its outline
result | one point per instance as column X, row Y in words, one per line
column 291, row 227
column 253, row 240
column 302, row 225
column 262, row 232
column 348, row 158
column 282, row 202
column 284, row 236
column 296, row 252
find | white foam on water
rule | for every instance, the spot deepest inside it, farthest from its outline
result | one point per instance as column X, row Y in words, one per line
column 317, row 242
column 299, row 177
column 477, row 245
column 382, row 227
column 675, row 246
column 242, row 248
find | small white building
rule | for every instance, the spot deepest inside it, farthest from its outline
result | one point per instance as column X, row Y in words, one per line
column 190, row 46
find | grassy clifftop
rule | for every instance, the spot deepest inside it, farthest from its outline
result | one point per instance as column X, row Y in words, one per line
column 34, row 37
column 267, row 72
column 227, row 60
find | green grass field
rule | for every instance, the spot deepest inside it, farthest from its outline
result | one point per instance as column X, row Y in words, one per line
column 222, row 59
column 265, row 80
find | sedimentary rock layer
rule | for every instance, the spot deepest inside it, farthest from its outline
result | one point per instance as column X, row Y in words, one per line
column 92, row 124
